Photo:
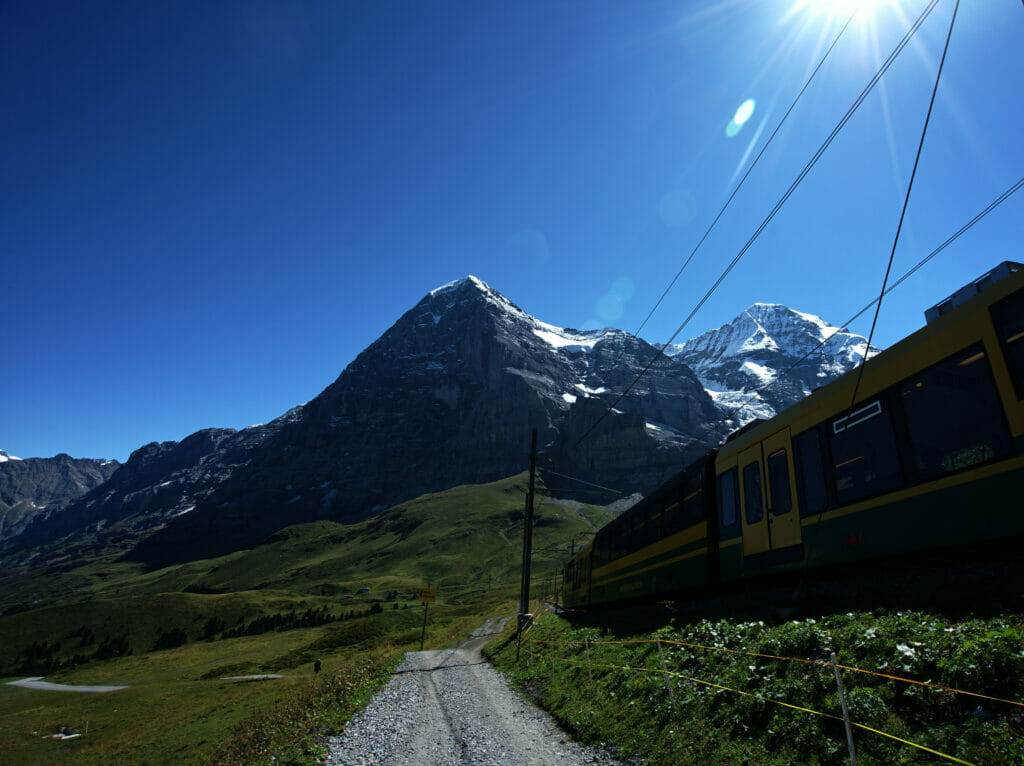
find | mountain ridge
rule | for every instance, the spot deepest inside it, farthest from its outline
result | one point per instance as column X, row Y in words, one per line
column 448, row 395
column 34, row 487
column 767, row 358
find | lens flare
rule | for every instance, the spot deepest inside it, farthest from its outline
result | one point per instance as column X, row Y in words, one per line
column 744, row 113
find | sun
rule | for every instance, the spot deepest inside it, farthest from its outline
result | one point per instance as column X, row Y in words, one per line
column 837, row 8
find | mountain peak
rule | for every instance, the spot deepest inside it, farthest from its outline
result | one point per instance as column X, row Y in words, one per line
column 558, row 338
column 6, row 456
column 768, row 357
column 467, row 281
column 469, row 290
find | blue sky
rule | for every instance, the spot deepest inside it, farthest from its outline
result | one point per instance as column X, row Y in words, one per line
column 209, row 209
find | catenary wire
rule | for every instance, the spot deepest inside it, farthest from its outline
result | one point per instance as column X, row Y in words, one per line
column 950, row 240
column 906, row 202
column 778, row 205
column 583, row 481
column 744, row 178
column 910, row 272
column 906, row 275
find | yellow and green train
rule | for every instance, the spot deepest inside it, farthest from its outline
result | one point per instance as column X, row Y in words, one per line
column 930, row 456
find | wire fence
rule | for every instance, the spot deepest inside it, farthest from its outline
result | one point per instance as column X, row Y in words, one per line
column 879, row 674
column 553, row 656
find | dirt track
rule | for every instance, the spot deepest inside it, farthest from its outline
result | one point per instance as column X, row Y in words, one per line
column 38, row 683
column 450, row 707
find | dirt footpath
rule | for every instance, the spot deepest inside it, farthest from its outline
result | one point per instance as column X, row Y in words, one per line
column 450, row 707
column 37, row 682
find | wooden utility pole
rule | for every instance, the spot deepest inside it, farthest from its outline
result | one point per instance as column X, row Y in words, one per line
column 524, row 595
column 426, row 595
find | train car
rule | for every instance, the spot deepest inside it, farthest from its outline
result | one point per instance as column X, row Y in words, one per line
column 659, row 542
column 929, row 456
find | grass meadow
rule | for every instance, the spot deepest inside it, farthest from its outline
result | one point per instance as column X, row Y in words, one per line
column 344, row 594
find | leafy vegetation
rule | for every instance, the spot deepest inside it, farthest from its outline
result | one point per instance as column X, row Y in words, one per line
column 749, row 705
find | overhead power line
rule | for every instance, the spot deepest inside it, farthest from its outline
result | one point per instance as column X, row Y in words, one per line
column 906, row 202
column 778, row 206
column 910, row 272
column 745, row 175
column 952, row 238
column 583, row 481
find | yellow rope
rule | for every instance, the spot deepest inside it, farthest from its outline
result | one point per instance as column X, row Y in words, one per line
column 805, row 661
column 755, row 696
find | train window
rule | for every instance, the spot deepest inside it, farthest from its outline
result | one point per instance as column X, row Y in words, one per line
column 810, row 473
column 778, row 480
column 1008, row 316
column 727, row 497
column 864, row 454
column 954, row 416
column 693, row 501
column 752, row 492
column 655, row 523
column 672, row 520
column 648, row 531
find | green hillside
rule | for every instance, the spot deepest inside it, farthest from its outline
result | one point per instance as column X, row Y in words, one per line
column 468, row 535
column 342, row 593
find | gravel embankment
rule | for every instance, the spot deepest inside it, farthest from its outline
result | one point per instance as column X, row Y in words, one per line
column 450, row 707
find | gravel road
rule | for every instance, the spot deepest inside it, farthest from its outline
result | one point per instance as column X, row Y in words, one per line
column 450, row 707
column 37, row 682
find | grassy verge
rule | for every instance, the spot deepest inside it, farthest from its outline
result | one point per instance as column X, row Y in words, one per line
column 294, row 730
column 178, row 708
column 734, row 707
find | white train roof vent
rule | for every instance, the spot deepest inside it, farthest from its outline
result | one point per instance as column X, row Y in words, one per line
column 968, row 291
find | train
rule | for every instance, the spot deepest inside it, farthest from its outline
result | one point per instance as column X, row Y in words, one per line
column 930, row 456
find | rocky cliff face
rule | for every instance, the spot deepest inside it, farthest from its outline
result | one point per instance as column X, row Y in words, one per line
column 37, row 487
column 448, row 395
column 767, row 358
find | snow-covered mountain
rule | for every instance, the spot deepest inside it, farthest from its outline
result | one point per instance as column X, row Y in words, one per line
column 767, row 358
column 6, row 456
column 447, row 396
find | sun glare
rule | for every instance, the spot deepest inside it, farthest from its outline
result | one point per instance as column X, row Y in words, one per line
column 836, row 8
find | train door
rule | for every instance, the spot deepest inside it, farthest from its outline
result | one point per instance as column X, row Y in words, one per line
column 756, row 537
column 767, row 491
column 783, row 520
